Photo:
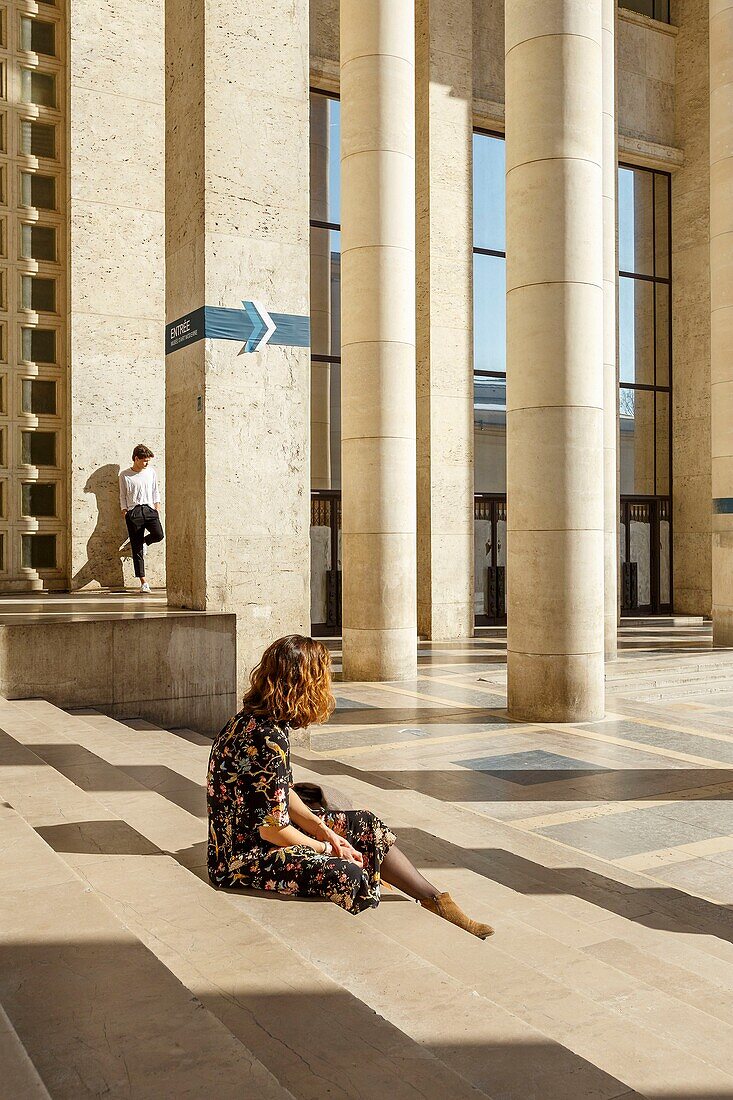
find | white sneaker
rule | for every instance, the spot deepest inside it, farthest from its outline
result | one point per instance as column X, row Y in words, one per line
column 144, row 588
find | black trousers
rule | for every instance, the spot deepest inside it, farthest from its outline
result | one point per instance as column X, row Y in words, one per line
column 139, row 519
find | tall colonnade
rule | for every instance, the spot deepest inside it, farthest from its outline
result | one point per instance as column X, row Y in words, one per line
column 561, row 361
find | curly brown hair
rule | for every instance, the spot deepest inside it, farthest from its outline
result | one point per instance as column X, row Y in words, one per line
column 292, row 683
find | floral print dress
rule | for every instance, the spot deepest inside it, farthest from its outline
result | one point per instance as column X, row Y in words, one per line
column 248, row 784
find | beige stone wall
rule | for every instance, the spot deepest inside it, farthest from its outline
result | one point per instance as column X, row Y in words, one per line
column 488, row 50
column 116, row 272
column 324, row 32
column 691, row 317
column 646, row 75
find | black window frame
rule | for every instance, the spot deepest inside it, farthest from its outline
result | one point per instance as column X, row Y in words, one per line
column 656, row 280
column 316, row 223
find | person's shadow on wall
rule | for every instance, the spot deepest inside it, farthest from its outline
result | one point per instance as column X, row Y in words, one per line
column 104, row 556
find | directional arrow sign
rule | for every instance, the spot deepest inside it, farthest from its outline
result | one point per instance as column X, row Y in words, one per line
column 251, row 326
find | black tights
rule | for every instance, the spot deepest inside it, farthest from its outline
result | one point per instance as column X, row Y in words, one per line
column 399, row 872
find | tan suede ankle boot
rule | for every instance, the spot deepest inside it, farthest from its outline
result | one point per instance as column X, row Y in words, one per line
column 444, row 906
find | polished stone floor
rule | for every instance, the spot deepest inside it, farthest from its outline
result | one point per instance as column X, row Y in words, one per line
column 602, row 852
column 649, row 788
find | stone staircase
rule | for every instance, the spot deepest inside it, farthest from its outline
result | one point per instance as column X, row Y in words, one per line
column 672, row 676
column 125, row 974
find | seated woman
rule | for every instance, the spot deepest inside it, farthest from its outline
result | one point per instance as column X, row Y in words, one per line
column 263, row 836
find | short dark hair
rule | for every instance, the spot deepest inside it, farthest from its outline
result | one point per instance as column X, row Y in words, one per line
column 141, row 451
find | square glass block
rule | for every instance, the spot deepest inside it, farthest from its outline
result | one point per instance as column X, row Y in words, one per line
column 38, row 551
column 38, row 498
column 661, row 224
column 636, row 330
column 38, row 448
column 662, row 429
column 636, row 221
column 38, row 35
column 38, row 88
column 39, row 293
column 489, row 313
column 489, row 434
column 38, row 242
column 325, row 269
column 489, row 225
column 37, row 139
column 38, row 396
column 39, row 345
column 325, row 162
column 663, row 332
column 637, row 458
column 38, row 190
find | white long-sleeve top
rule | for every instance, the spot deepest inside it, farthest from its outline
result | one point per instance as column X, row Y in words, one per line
column 139, row 487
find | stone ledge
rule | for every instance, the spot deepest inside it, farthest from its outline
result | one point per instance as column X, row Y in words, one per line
column 649, row 154
column 175, row 670
column 640, row 20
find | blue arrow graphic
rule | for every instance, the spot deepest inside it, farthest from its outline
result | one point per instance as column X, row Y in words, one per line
column 252, row 326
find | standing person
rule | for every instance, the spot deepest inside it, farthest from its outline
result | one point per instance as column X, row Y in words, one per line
column 140, row 504
column 261, row 833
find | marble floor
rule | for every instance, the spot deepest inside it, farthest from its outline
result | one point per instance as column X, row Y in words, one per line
column 602, row 852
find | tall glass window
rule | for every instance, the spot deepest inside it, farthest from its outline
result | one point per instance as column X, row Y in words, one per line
column 489, row 313
column 644, row 331
column 489, row 382
column 325, row 223
column 645, row 376
column 325, row 311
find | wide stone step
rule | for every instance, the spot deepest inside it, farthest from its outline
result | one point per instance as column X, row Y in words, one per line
column 441, row 1002
column 630, row 903
column 20, row 1077
column 96, row 1012
column 553, row 967
column 310, row 1031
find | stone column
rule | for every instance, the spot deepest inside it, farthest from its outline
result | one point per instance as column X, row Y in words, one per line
column 444, row 50
column 610, row 373
column 721, row 313
column 554, row 152
column 237, row 425
column 378, row 338
column 691, row 414
column 320, row 298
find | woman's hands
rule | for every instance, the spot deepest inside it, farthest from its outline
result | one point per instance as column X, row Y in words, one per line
column 341, row 847
column 313, row 824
